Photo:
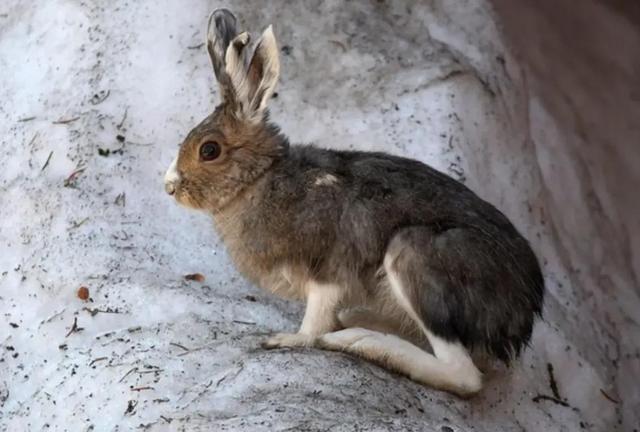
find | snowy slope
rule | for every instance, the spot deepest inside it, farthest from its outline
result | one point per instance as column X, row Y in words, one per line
column 80, row 79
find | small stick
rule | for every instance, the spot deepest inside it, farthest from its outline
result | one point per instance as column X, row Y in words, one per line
column 52, row 317
column 97, row 360
column 179, row 346
column 96, row 311
column 200, row 45
column 615, row 401
column 124, row 117
column 142, row 388
column 66, row 121
column 26, row 119
column 69, row 180
column 168, row 420
column 240, row 369
column 552, row 382
column 338, row 43
column 243, row 322
column 133, row 369
column 46, row 164
column 139, row 144
column 197, row 349
column 77, row 224
column 33, row 139
column 552, row 399
column 74, row 327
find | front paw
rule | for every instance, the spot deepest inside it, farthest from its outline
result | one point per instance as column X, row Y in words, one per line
column 288, row 340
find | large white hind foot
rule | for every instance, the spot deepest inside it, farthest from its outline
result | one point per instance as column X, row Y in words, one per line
column 458, row 375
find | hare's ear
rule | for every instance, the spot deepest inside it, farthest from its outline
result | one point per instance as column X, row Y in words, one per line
column 261, row 77
column 221, row 30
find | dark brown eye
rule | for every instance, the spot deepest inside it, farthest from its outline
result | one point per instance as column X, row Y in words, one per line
column 209, row 150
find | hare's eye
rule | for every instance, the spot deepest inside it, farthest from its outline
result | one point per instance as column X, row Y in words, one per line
column 209, row 150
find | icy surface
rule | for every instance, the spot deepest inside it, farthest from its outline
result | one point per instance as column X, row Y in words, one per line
column 107, row 90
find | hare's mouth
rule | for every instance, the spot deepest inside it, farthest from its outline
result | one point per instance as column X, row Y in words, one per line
column 185, row 199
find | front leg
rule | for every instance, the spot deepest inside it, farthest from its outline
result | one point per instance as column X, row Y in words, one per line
column 319, row 317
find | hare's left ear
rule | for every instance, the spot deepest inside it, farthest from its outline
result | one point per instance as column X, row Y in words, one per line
column 223, row 38
column 220, row 32
column 260, row 78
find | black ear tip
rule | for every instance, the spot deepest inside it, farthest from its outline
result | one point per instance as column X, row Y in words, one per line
column 222, row 16
column 222, row 26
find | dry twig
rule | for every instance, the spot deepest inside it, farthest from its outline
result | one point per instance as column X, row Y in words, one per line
column 124, row 118
column 538, row 398
column 46, row 164
column 132, row 370
column 70, row 181
column 179, row 346
column 615, row 401
column 97, row 360
column 96, row 311
column 74, row 327
column 141, row 388
column 65, row 121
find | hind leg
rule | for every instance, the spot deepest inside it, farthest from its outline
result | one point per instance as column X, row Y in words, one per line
column 458, row 376
column 449, row 368
column 453, row 364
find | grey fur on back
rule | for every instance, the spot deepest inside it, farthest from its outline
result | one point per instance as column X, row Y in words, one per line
column 480, row 282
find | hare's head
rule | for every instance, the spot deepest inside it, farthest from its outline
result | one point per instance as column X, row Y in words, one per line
column 231, row 148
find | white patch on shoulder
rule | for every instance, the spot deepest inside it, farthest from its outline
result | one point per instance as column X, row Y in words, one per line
column 326, row 180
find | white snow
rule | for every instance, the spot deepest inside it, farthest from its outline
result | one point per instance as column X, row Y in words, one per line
column 423, row 80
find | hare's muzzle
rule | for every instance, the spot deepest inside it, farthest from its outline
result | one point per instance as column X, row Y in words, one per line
column 172, row 178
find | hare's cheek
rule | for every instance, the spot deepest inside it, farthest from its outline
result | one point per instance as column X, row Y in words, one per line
column 183, row 197
column 187, row 196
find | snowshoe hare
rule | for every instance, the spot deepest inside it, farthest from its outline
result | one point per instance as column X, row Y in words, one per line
column 398, row 263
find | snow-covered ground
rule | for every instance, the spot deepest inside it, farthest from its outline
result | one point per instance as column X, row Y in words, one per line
column 95, row 98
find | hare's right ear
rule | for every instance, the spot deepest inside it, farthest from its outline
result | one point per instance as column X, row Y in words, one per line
column 221, row 30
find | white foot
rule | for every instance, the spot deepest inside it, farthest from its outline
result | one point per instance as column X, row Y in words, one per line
column 458, row 376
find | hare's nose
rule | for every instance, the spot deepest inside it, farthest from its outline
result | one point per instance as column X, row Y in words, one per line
column 172, row 178
column 170, row 188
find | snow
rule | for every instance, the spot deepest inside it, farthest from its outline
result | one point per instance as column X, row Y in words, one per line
column 429, row 80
